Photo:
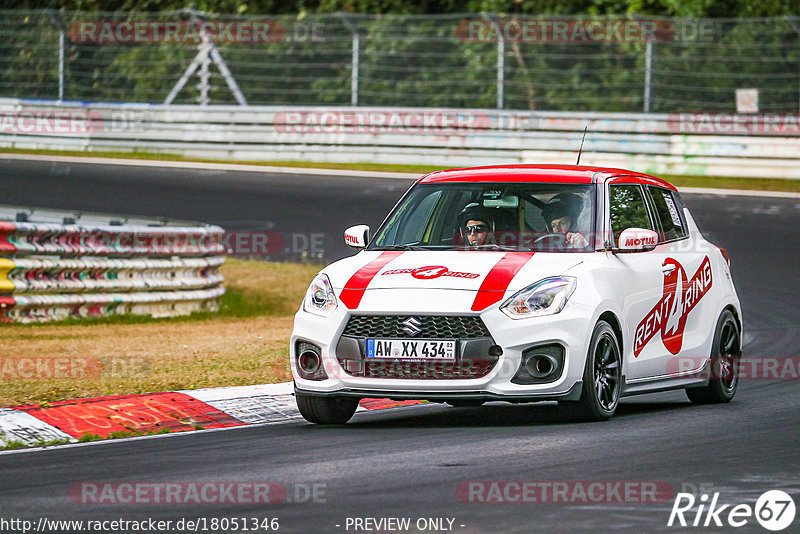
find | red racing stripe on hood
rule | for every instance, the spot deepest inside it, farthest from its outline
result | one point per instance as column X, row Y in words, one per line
column 354, row 288
column 499, row 278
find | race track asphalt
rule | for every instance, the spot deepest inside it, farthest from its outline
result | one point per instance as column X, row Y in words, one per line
column 409, row 462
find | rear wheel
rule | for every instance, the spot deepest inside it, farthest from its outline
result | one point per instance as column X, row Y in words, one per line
column 725, row 354
column 602, row 378
column 326, row 410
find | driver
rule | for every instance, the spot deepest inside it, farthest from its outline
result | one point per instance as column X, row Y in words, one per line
column 476, row 222
column 561, row 214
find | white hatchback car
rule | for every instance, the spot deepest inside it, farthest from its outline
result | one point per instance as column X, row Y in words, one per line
column 521, row 283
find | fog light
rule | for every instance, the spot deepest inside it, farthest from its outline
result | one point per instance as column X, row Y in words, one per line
column 309, row 361
column 540, row 364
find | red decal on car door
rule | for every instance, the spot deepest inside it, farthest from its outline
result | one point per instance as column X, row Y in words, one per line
column 668, row 316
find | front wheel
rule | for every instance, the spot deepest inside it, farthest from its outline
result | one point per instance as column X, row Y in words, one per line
column 725, row 354
column 602, row 378
column 326, row 410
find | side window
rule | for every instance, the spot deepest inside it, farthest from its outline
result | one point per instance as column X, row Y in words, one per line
column 416, row 222
column 668, row 214
column 628, row 209
column 411, row 219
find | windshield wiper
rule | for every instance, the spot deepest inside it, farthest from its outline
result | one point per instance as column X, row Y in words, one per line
column 493, row 246
column 401, row 247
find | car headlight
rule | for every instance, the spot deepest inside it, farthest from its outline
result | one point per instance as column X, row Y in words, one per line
column 320, row 298
column 548, row 296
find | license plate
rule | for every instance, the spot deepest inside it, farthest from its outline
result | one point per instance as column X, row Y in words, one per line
column 414, row 349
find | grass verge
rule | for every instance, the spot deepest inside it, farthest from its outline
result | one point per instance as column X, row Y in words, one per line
column 12, row 445
column 716, row 182
column 246, row 343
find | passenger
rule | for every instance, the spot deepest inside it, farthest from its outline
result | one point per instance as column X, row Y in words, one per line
column 561, row 215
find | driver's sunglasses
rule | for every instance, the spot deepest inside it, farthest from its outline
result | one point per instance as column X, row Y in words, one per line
column 479, row 228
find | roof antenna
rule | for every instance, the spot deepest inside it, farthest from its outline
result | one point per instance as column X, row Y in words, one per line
column 582, row 140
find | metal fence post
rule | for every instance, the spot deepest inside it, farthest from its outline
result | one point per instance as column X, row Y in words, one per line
column 648, row 75
column 355, row 57
column 501, row 71
column 204, row 74
column 61, row 65
column 354, row 72
column 796, row 27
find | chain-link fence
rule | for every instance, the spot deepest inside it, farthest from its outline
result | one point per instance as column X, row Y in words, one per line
column 462, row 61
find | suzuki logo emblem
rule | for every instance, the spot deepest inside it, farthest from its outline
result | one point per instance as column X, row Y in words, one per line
column 412, row 326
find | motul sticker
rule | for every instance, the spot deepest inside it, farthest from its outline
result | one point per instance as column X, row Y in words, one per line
column 669, row 316
column 429, row 272
column 640, row 241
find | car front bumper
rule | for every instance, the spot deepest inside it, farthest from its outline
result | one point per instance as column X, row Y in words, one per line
column 571, row 329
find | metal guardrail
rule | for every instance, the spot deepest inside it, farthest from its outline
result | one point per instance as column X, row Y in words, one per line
column 680, row 143
column 625, row 63
column 93, row 266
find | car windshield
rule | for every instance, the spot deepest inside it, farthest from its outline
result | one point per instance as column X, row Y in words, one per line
column 491, row 216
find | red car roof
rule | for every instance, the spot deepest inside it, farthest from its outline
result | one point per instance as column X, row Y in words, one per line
column 572, row 174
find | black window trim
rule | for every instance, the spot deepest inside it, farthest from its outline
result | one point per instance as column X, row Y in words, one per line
column 678, row 205
column 649, row 210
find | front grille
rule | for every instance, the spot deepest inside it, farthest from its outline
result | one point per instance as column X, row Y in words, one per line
column 433, row 326
column 476, row 357
column 428, row 370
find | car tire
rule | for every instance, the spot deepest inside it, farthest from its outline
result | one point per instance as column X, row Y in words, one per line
column 724, row 371
column 602, row 378
column 465, row 403
column 326, row 410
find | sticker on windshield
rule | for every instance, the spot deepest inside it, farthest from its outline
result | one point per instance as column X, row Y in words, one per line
column 673, row 211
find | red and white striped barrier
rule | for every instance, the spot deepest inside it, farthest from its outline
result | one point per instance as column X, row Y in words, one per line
column 174, row 411
column 51, row 271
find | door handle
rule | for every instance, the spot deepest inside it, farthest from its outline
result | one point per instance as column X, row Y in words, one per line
column 667, row 268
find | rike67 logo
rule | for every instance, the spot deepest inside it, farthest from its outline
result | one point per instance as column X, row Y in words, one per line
column 669, row 315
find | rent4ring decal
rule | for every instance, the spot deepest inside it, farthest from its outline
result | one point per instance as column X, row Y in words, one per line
column 430, row 271
column 668, row 316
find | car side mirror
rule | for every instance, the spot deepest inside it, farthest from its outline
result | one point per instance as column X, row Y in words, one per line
column 636, row 240
column 357, row 236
